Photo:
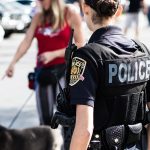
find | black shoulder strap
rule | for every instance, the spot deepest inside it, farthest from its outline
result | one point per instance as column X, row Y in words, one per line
column 68, row 57
column 142, row 47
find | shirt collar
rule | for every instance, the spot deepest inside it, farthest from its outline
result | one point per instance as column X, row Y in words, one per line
column 104, row 31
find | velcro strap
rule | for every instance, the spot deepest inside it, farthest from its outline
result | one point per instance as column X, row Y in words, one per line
column 135, row 128
column 134, row 133
column 115, row 136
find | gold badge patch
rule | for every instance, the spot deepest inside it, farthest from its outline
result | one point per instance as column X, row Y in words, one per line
column 77, row 70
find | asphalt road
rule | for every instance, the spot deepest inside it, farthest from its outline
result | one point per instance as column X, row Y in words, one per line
column 14, row 91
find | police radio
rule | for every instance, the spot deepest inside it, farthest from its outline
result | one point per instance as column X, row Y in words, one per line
column 65, row 114
column 68, row 56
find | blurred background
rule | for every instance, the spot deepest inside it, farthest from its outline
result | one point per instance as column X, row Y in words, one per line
column 17, row 108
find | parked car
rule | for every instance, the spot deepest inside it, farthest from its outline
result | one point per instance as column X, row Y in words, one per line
column 33, row 5
column 18, row 6
column 12, row 19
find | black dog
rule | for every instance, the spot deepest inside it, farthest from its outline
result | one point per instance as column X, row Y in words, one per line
column 36, row 138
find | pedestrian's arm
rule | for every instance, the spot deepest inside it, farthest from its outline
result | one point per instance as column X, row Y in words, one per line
column 148, row 128
column 144, row 7
column 25, row 44
column 142, row 3
column 75, row 21
column 83, row 128
column 47, row 57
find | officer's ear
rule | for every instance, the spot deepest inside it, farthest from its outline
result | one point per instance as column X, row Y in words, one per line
column 119, row 11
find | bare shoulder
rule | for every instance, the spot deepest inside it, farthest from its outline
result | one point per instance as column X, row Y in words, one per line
column 72, row 10
column 37, row 18
column 73, row 13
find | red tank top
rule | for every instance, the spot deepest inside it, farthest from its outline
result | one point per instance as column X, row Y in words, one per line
column 48, row 41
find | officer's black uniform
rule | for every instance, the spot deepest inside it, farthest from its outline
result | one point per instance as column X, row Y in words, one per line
column 111, row 79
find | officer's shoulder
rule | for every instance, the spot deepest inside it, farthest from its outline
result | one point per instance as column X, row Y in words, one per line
column 90, row 47
column 90, row 53
column 94, row 49
column 84, row 51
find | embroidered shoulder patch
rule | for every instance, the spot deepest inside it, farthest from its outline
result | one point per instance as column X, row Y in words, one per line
column 77, row 70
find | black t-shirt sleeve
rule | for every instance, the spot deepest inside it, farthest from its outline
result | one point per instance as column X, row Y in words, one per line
column 83, row 80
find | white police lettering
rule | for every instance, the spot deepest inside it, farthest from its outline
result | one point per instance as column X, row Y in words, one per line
column 128, row 71
column 130, row 76
column 136, row 71
column 141, row 70
column 147, row 69
column 122, row 74
column 112, row 71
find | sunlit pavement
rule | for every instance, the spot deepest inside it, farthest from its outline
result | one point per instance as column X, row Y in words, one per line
column 144, row 29
column 14, row 92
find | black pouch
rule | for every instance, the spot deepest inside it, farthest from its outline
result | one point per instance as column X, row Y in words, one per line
column 114, row 137
column 49, row 75
column 31, row 80
column 134, row 133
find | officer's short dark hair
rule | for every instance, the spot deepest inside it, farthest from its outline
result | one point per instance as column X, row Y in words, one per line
column 103, row 8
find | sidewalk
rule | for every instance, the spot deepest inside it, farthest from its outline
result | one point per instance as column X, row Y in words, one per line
column 14, row 91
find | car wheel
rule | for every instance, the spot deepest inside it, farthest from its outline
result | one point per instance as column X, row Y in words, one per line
column 8, row 33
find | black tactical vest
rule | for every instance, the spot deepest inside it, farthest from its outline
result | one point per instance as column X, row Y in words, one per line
column 122, row 80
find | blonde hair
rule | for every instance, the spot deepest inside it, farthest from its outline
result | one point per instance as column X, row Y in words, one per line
column 55, row 15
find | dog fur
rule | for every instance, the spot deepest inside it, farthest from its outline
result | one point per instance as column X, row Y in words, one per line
column 36, row 138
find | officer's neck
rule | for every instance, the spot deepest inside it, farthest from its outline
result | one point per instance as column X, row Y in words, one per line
column 102, row 25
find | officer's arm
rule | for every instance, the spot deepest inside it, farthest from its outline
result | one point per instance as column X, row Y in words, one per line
column 148, row 128
column 83, row 128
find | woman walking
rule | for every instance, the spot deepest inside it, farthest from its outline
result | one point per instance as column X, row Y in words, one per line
column 52, row 29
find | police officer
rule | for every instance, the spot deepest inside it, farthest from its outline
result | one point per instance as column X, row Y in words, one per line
column 107, row 83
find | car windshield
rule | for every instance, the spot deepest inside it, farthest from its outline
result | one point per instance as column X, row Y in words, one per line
column 15, row 5
column 2, row 8
column 6, row 7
